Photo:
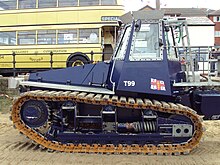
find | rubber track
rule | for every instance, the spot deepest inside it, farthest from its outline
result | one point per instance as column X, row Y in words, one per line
column 97, row 99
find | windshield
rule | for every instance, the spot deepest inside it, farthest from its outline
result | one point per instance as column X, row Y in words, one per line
column 121, row 48
column 146, row 43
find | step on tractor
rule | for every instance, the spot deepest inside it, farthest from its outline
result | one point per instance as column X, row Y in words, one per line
column 141, row 101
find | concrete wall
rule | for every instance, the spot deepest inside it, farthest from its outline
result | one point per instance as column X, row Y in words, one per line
column 4, row 87
column 201, row 35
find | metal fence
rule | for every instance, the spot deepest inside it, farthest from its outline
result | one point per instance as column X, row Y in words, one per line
column 14, row 56
column 205, row 59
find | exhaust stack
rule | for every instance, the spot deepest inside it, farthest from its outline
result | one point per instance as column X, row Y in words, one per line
column 157, row 4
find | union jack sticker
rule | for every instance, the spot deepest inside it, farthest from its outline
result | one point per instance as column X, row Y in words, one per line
column 157, row 85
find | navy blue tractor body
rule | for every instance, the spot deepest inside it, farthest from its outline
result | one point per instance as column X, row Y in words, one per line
column 130, row 101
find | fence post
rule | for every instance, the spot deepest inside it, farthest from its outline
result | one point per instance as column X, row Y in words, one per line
column 103, row 53
column 92, row 53
column 51, row 60
column 14, row 62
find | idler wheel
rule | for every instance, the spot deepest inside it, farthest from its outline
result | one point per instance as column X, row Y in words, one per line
column 34, row 113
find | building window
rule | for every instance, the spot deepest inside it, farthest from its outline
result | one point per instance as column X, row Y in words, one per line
column 108, row 2
column 46, row 37
column 217, row 33
column 88, row 2
column 216, row 19
column 67, row 36
column 88, row 35
column 66, row 3
column 7, row 38
column 26, row 37
column 26, row 4
column 8, row 4
column 47, row 3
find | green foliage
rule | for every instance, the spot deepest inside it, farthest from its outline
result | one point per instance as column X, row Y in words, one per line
column 5, row 102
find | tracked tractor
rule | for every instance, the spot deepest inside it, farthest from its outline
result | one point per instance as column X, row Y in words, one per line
column 141, row 101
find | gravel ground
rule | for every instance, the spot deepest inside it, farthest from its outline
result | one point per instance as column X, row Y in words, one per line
column 16, row 149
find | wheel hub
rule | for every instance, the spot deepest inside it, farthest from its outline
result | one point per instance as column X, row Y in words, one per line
column 77, row 63
column 34, row 113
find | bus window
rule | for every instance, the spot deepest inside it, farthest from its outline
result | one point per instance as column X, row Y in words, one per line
column 8, row 4
column 26, row 4
column 45, row 37
column 108, row 2
column 88, row 35
column 88, row 2
column 67, row 36
column 26, row 37
column 34, row 28
column 65, row 3
column 47, row 3
column 7, row 38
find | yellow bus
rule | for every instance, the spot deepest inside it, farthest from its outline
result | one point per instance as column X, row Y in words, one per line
column 32, row 30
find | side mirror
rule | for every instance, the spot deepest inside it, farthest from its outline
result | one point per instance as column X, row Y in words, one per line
column 166, row 28
column 138, row 25
column 120, row 23
column 160, row 42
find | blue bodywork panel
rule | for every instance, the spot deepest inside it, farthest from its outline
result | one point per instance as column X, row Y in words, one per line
column 207, row 103
column 98, row 75
column 210, row 104
column 142, row 75
column 80, row 75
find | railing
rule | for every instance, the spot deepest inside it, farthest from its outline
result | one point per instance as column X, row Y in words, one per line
column 50, row 60
column 204, row 59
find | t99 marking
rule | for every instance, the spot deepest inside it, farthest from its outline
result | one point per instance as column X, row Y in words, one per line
column 129, row 83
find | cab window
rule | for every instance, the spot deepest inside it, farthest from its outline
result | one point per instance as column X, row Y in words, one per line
column 146, row 43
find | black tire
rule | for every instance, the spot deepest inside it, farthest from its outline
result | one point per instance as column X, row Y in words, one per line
column 76, row 61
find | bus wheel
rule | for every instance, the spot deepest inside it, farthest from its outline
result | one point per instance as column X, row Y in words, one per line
column 76, row 61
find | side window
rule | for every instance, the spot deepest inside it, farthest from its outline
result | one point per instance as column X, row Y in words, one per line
column 8, row 4
column 121, row 48
column 45, row 37
column 108, row 2
column 26, row 37
column 26, row 4
column 47, row 3
column 216, row 19
column 88, row 35
column 146, row 43
column 173, row 40
column 217, row 33
column 67, row 36
column 170, row 45
column 65, row 3
column 7, row 38
column 88, row 2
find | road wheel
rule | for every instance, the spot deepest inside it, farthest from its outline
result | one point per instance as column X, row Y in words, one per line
column 76, row 61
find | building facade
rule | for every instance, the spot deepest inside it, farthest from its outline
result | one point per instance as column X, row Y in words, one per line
column 215, row 17
column 201, row 28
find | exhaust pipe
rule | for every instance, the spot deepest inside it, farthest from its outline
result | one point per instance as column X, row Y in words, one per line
column 157, row 4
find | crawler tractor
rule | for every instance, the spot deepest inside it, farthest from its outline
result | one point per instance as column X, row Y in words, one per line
column 140, row 101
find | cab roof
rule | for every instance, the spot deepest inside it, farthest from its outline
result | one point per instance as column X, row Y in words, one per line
column 142, row 15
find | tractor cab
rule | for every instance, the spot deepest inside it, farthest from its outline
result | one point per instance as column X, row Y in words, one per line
column 146, row 58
